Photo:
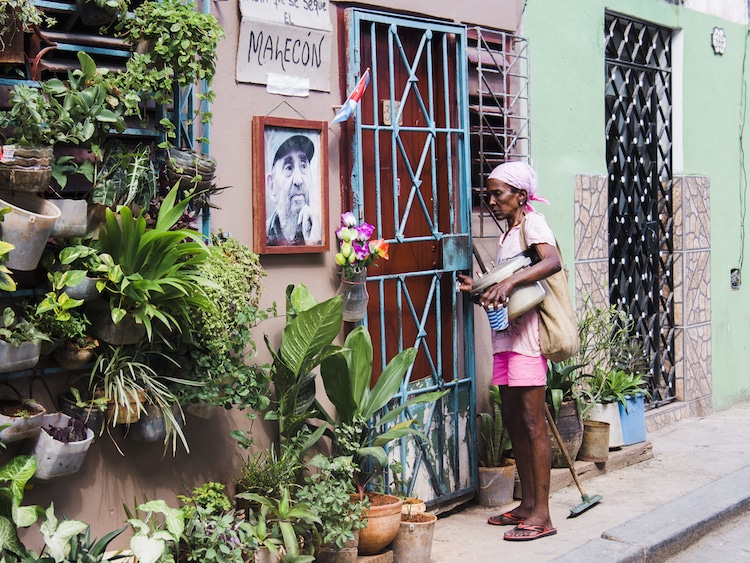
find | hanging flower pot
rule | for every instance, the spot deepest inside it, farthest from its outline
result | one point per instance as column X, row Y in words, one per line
column 27, row 227
column 60, row 446
column 353, row 289
column 356, row 253
column 26, row 169
column 24, row 418
column 127, row 331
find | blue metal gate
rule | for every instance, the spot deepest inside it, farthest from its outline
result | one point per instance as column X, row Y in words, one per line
column 410, row 178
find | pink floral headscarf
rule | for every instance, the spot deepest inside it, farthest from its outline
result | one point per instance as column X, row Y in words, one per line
column 521, row 176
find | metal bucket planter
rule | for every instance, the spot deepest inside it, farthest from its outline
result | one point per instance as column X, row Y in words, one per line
column 496, row 484
column 413, row 541
column 73, row 220
column 595, row 444
column 27, row 227
column 55, row 458
column 571, row 432
column 24, row 418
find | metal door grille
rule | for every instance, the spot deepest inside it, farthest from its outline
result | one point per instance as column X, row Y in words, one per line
column 498, row 110
column 639, row 166
column 410, row 179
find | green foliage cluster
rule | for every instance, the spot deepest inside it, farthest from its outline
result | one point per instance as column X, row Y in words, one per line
column 494, row 432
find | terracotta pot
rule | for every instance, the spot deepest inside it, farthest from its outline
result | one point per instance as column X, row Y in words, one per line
column 383, row 519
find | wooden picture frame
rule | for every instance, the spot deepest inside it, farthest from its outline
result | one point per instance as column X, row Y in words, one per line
column 290, row 185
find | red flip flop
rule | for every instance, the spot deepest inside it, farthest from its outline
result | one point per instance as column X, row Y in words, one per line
column 506, row 519
column 536, row 533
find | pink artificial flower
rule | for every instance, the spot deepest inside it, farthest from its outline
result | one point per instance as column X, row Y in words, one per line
column 348, row 219
column 361, row 252
column 364, row 231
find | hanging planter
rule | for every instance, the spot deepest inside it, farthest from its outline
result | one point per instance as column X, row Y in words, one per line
column 27, row 227
column 91, row 412
column 24, row 418
column 72, row 357
column 356, row 253
column 60, row 446
column 127, row 331
column 26, row 169
column 353, row 290
column 191, row 169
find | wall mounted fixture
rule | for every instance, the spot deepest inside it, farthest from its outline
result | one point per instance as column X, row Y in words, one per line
column 719, row 40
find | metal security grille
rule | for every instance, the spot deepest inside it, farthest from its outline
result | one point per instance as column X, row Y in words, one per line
column 410, row 180
column 639, row 143
column 498, row 111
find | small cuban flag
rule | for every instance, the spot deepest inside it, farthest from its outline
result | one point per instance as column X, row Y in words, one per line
column 351, row 102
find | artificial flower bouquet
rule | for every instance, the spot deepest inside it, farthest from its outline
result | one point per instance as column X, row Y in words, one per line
column 356, row 250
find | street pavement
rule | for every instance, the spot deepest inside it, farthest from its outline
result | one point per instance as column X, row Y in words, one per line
column 697, row 481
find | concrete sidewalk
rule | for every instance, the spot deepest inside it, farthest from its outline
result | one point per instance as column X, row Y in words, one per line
column 696, row 478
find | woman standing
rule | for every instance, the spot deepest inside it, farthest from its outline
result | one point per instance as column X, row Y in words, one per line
column 519, row 368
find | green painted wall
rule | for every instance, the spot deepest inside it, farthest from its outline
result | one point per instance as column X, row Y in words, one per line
column 567, row 131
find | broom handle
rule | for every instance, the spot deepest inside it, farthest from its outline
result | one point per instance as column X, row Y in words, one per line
column 553, row 426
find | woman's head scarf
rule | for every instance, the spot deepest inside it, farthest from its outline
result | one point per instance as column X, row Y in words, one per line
column 520, row 176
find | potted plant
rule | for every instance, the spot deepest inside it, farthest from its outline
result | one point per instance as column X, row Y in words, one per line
column 290, row 523
column 156, row 533
column 100, row 13
column 60, row 446
column 19, row 419
column 148, row 274
column 179, row 45
column 85, row 408
column 17, row 16
column 221, row 336
column 123, row 376
column 214, row 532
column 20, row 342
column 563, row 395
column 70, row 343
column 80, row 110
column 327, row 491
column 496, row 471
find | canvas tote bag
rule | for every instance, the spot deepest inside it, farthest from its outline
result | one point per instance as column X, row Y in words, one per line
column 558, row 330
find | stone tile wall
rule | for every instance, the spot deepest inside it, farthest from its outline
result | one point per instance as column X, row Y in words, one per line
column 692, row 295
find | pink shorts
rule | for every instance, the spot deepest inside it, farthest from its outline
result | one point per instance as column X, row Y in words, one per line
column 516, row 370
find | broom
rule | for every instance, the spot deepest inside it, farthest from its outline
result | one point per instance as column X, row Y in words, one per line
column 588, row 501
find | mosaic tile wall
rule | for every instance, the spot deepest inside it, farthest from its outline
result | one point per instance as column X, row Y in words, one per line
column 692, row 253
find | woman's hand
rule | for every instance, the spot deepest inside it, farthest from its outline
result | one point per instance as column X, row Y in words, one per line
column 465, row 283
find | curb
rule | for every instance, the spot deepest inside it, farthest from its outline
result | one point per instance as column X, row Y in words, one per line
column 670, row 528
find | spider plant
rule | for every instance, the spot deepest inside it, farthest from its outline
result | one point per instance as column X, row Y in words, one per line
column 123, row 375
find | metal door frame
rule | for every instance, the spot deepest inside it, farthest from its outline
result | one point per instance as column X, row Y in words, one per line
column 456, row 249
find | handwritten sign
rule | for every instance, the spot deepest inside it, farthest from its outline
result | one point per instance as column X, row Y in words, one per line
column 285, row 42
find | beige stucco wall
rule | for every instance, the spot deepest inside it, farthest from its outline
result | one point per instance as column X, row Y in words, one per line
column 108, row 479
